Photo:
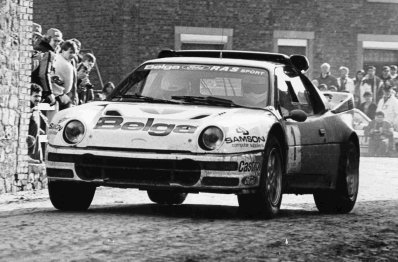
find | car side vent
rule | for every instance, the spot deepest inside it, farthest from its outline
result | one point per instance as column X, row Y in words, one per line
column 199, row 116
column 112, row 113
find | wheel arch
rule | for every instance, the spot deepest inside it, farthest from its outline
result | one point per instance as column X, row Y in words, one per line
column 354, row 138
column 278, row 132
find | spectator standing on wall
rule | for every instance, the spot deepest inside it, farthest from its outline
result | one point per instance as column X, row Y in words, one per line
column 42, row 75
column 77, row 59
column 85, row 88
column 368, row 107
column 389, row 106
column 64, row 74
column 51, row 40
column 393, row 71
column 357, row 82
column 345, row 83
column 36, row 35
column 371, row 83
column 73, row 93
column 380, row 135
column 326, row 77
column 36, row 39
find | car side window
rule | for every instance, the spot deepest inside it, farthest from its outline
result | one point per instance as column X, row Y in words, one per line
column 292, row 93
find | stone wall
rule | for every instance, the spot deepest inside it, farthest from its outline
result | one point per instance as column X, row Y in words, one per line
column 15, row 70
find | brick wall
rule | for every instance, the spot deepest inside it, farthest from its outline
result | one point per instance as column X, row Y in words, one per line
column 15, row 62
column 124, row 33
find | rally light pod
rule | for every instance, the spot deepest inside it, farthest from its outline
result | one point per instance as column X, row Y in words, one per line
column 211, row 138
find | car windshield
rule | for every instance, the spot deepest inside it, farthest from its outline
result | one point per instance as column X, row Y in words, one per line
column 196, row 84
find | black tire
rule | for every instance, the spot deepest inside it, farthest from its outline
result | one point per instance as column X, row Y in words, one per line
column 343, row 198
column 71, row 196
column 166, row 197
column 267, row 200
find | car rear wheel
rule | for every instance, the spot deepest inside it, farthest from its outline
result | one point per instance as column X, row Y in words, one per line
column 71, row 196
column 343, row 198
column 268, row 198
column 166, row 197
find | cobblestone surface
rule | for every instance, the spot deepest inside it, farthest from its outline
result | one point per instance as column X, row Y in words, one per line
column 122, row 225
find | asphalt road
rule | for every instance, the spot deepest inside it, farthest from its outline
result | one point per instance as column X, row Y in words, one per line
column 123, row 225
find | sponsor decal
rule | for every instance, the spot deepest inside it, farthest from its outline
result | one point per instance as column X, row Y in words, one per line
column 249, row 180
column 153, row 129
column 55, row 127
column 162, row 67
column 232, row 69
column 242, row 130
column 195, row 67
column 245, row 140
column 249, row 166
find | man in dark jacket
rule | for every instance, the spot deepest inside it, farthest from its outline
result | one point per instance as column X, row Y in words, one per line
column 380, row 135
column 45, row 53
column 372, row 84
column 368, row 107
column 326, row 77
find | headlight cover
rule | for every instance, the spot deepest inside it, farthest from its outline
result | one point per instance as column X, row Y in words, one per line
column 74, row 132
column 211, row 138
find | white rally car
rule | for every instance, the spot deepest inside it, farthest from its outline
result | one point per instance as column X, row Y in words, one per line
column 247, row 123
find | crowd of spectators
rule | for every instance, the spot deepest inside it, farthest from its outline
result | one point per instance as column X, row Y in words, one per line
column 375, row 95
column 60, row 77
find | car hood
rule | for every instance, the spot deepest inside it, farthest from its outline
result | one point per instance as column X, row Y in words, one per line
column 163, row 127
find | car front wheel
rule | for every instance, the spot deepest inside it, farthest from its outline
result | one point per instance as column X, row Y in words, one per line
column 166, row 197
column 268, row 198
column 343, row 198
column 71, row 196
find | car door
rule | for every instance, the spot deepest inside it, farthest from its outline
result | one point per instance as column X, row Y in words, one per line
column 307, row 141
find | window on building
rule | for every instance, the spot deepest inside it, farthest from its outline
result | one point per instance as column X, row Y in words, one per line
column 379, row 58
column 295, row 42
column 292, row 46
column 379, row 53
column 189, row 38
column 384, row 1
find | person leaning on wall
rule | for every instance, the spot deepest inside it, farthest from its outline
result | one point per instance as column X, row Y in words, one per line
column 42, row 75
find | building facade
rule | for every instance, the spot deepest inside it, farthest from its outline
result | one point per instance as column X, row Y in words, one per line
column 124, row 33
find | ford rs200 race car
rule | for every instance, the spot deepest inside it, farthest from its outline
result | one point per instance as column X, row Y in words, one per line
column 247, row 123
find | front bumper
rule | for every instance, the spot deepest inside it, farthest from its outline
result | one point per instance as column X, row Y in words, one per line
column 235, row 173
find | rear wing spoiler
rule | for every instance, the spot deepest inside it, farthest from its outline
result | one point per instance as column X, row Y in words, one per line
column 339, row 101
column 299, row 62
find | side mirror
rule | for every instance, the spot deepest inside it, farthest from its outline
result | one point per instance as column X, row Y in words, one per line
column 297, row 115
column 300, row 62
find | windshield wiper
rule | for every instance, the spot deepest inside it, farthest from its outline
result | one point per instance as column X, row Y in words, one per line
column 207, row 100
column 138, row 97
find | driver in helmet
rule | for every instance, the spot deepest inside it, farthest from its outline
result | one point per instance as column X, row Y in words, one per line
column 174, row 84
column 254, row 91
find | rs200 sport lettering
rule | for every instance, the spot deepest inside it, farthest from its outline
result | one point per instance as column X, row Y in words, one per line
column 158, row 129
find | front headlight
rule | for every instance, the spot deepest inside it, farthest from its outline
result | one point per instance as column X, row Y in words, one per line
column 211, row 138
column 74, row 132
